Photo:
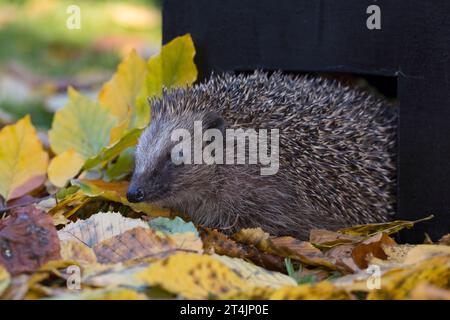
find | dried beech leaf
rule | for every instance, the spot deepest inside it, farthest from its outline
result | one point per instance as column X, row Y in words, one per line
column 322, row 238
column 133, row 244
column 302, row 251
column 372, row 247
column 28, row 239
column 341, row 256
column 445, row 240
column 215, row 241
column 368, row 230
column 99, row 227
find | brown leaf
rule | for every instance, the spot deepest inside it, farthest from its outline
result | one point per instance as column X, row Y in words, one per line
column 327, row 239
column 99, row 227
column 302, row 251
column 372, row 247
column 219, row 243
column 28, row 239
column 134, row 244
column 445, row 240
column 342, row 257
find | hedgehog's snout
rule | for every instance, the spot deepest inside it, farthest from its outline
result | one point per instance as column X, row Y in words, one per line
column 135, row 194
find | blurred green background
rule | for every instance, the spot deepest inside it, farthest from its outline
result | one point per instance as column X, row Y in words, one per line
column 40, row 56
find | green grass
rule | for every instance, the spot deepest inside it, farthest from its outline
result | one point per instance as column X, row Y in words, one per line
column 296, row 274
column 42, row 42
column 33, row 33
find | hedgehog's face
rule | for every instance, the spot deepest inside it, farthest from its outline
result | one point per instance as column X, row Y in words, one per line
column 161, row 171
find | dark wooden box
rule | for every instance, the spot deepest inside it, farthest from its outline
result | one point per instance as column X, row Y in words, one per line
column 412, row 47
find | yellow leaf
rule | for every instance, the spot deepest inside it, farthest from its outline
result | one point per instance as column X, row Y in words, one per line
column 77, row 251
column 256, row 275
column 116, row 191
column 82, row 125
column 23, row 162
column 194, row 276
column 119, row 94
column 64, row 167
column 321, row 291
column 368, row 230
column 398, row 283
column 5, row 279
column 173, row 67
column 104, row 294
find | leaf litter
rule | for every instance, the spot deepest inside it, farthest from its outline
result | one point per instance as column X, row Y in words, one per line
column 78, row 221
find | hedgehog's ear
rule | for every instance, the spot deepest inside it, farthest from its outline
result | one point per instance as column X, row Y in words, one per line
column 212, row 120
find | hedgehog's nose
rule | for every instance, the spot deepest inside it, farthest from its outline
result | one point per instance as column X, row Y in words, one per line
column 135, row 194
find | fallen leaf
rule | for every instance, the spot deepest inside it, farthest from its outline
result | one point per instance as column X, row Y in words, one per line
column 173, row 67
column 81, row 125
column 194, row 276
column 121, row 92
column 399, row 283
column 217, row 242
column 17, row 288
column 325, row 239
column 68, row 206
column 425, row 291
column 114, row 275
column 184, row 234
column 372, row 247
column 137, row 243
column 109, row 152
column 320, row 291
column 99, row 227
column 368, row 230
column 122, row 167
column 28, row 239
column 302, row 251
column 23, row 162
column 256, row 275
column 104, row 294
column 172, row 226
column 116, row 191
column 341, row 256
column 77, row 251
column 445, row 240
column 5, row 279
column 64, row 167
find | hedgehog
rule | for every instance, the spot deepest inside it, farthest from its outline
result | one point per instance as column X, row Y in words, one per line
column 336, row 155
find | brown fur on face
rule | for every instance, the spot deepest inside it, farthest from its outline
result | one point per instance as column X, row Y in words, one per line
column 337, row 159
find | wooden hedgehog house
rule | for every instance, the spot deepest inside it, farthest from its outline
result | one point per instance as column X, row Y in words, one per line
column 400, row 46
